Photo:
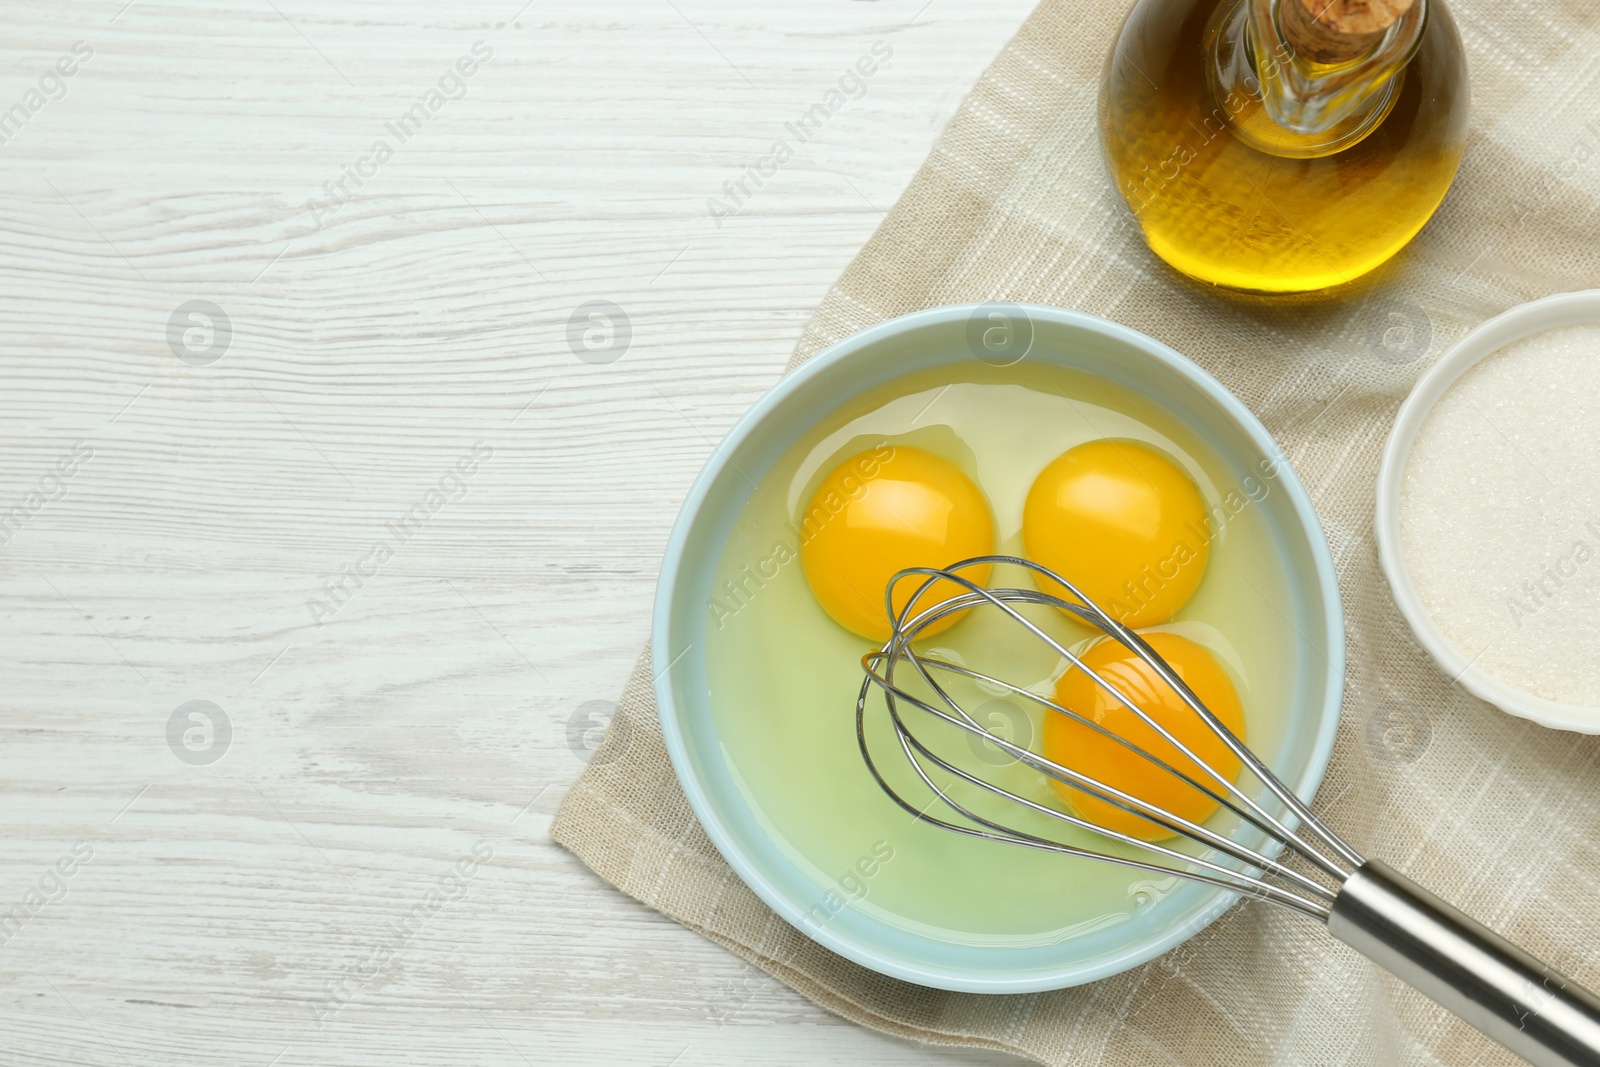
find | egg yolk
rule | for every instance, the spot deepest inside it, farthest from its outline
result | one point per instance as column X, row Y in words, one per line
column 1076, row 746
column 1124, row 524
column 880, row 512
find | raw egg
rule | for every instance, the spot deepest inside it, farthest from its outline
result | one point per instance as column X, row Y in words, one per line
column 882, row 511
column 1087, row 751
column 1124, row 524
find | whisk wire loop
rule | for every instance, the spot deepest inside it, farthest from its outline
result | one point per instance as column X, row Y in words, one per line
column 1127, row 802
column 1224, row 878
column 1302, row 894
column 922, row 662
column 1095, row 616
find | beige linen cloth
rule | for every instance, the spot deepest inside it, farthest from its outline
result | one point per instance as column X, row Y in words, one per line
column 1498, row 815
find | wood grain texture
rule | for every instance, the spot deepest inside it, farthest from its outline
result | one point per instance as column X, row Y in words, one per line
column 447, row 703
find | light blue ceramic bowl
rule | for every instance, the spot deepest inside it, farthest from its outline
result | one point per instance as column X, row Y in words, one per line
column 927, row 339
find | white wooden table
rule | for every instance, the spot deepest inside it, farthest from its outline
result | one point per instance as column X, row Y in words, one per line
column 378, row 514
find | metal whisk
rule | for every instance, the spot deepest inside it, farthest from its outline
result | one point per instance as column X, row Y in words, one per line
column 1518, row 1001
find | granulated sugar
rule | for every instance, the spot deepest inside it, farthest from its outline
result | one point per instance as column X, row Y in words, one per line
column 1500, row 514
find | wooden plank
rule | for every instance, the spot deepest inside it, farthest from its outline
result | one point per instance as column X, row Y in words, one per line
column 376, row 335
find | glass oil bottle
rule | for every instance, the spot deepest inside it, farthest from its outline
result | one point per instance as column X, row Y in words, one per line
column 1283, row 146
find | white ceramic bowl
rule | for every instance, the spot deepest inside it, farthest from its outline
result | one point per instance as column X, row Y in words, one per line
column 1553, row 312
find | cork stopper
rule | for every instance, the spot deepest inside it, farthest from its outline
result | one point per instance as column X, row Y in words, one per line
column 1337, row 31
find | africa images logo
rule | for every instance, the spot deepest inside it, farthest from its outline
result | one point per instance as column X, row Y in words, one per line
column 852, row 85
column 452, row 85
column 741, row 587
column 337, row 589
column 51, row 86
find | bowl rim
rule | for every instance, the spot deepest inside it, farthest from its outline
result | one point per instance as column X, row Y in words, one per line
column 1325, row 581
column 1578, row 308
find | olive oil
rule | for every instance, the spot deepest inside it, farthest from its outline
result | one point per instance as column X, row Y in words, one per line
column 1195, row 121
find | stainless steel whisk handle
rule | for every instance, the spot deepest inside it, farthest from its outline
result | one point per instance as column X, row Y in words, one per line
column 1536, row 1012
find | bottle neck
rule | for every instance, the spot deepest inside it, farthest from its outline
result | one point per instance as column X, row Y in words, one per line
column 1317, row 83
